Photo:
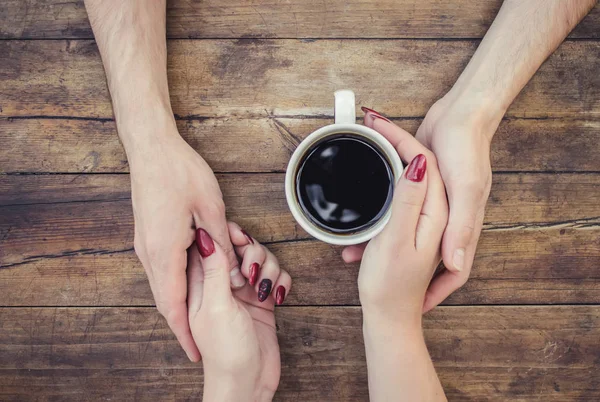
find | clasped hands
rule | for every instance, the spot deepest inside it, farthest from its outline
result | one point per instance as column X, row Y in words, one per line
column 234, row 327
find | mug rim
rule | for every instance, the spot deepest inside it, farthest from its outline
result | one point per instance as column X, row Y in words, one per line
column 290, row 182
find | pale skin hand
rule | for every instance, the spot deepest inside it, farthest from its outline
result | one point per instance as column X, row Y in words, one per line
column 395, row 272
column 459, row 127
column 234, row 331
column 173, row 189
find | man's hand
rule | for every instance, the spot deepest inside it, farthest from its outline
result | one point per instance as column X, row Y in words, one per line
column 460, row 126
column 462, row 148
column 174, row 191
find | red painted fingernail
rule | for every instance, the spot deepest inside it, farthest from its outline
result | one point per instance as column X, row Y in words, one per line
column 264, row 289
column 254, row 270
column 416, row 170
column 375, row 114
column 204, row 243
column 280, row 295
column 250, row 239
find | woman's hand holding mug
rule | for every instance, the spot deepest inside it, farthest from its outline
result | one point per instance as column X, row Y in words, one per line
column 396, row 269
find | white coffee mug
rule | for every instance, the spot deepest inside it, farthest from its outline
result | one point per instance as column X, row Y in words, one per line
column 345, row 123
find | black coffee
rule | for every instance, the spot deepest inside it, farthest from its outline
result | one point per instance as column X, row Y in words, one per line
column 344, row 184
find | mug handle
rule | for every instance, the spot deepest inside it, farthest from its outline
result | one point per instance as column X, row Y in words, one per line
column 345, row 107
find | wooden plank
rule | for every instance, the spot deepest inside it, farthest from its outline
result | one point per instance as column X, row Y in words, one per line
column 77, row 354
column 262, row 78
column 273, row 19
column 70, row 223
column 338, row 383
column 543, row 266
column 67, row 239
column 265, row 145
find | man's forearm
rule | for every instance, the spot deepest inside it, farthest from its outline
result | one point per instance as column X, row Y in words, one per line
column 132, row 41
column 522, row 36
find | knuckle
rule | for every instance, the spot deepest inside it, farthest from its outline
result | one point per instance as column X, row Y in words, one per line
column 214, row 208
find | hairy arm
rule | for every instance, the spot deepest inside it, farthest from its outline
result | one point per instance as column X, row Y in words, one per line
column 521, row 37
column 173, row 190
column 459, row 127
column 132, row 41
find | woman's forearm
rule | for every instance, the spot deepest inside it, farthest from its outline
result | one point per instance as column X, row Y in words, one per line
column 131, row 36
column 521, row 37
column 398, row 363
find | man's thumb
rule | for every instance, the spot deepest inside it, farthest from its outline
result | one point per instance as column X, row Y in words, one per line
column 457, row 247
column 215, row 266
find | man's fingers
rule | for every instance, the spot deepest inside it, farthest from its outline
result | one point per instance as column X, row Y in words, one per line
column 462, row 232
column 171, row 291
column 442, row 286
column 217, row 226
column 215, row 265
column 177, row 318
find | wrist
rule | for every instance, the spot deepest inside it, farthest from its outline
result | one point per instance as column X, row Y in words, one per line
column 385, row 335
column 144, row 127
column 403, row 321
column 474, row 107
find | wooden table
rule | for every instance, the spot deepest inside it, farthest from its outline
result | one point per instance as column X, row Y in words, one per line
column 249, row 79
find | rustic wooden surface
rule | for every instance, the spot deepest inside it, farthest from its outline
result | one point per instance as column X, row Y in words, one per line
column 249, row 80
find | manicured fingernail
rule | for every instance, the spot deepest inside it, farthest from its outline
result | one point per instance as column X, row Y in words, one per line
column 264, row 289
column 254, row 270
column 204, row 243
column 250, row 239
column 416, row 170
column 375, row 114
column 280, row 295
column 458, row 260
column 237, row 279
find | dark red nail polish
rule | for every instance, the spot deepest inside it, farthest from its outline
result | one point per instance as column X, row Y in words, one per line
column 254, row 270
column 375, row 114
column 204, row 243
column 264, row 289
column 280, row 295
column 416, row 170
column 250, row 239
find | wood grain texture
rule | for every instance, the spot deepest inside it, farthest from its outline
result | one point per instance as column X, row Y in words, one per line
column 542, row 266
column 67, row 240
column 261, row 78
column 129, row 353
column 265, row 145
column 52, row 214
column 274, row 19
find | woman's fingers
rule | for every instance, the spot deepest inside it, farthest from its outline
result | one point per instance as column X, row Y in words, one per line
column 252, row 253
column 434, row 214
column 215, row 264
column 268, row 275
column 260, row 266
column 409, row 196
column 195, row 278
column 282, row 287
column 353, row 253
